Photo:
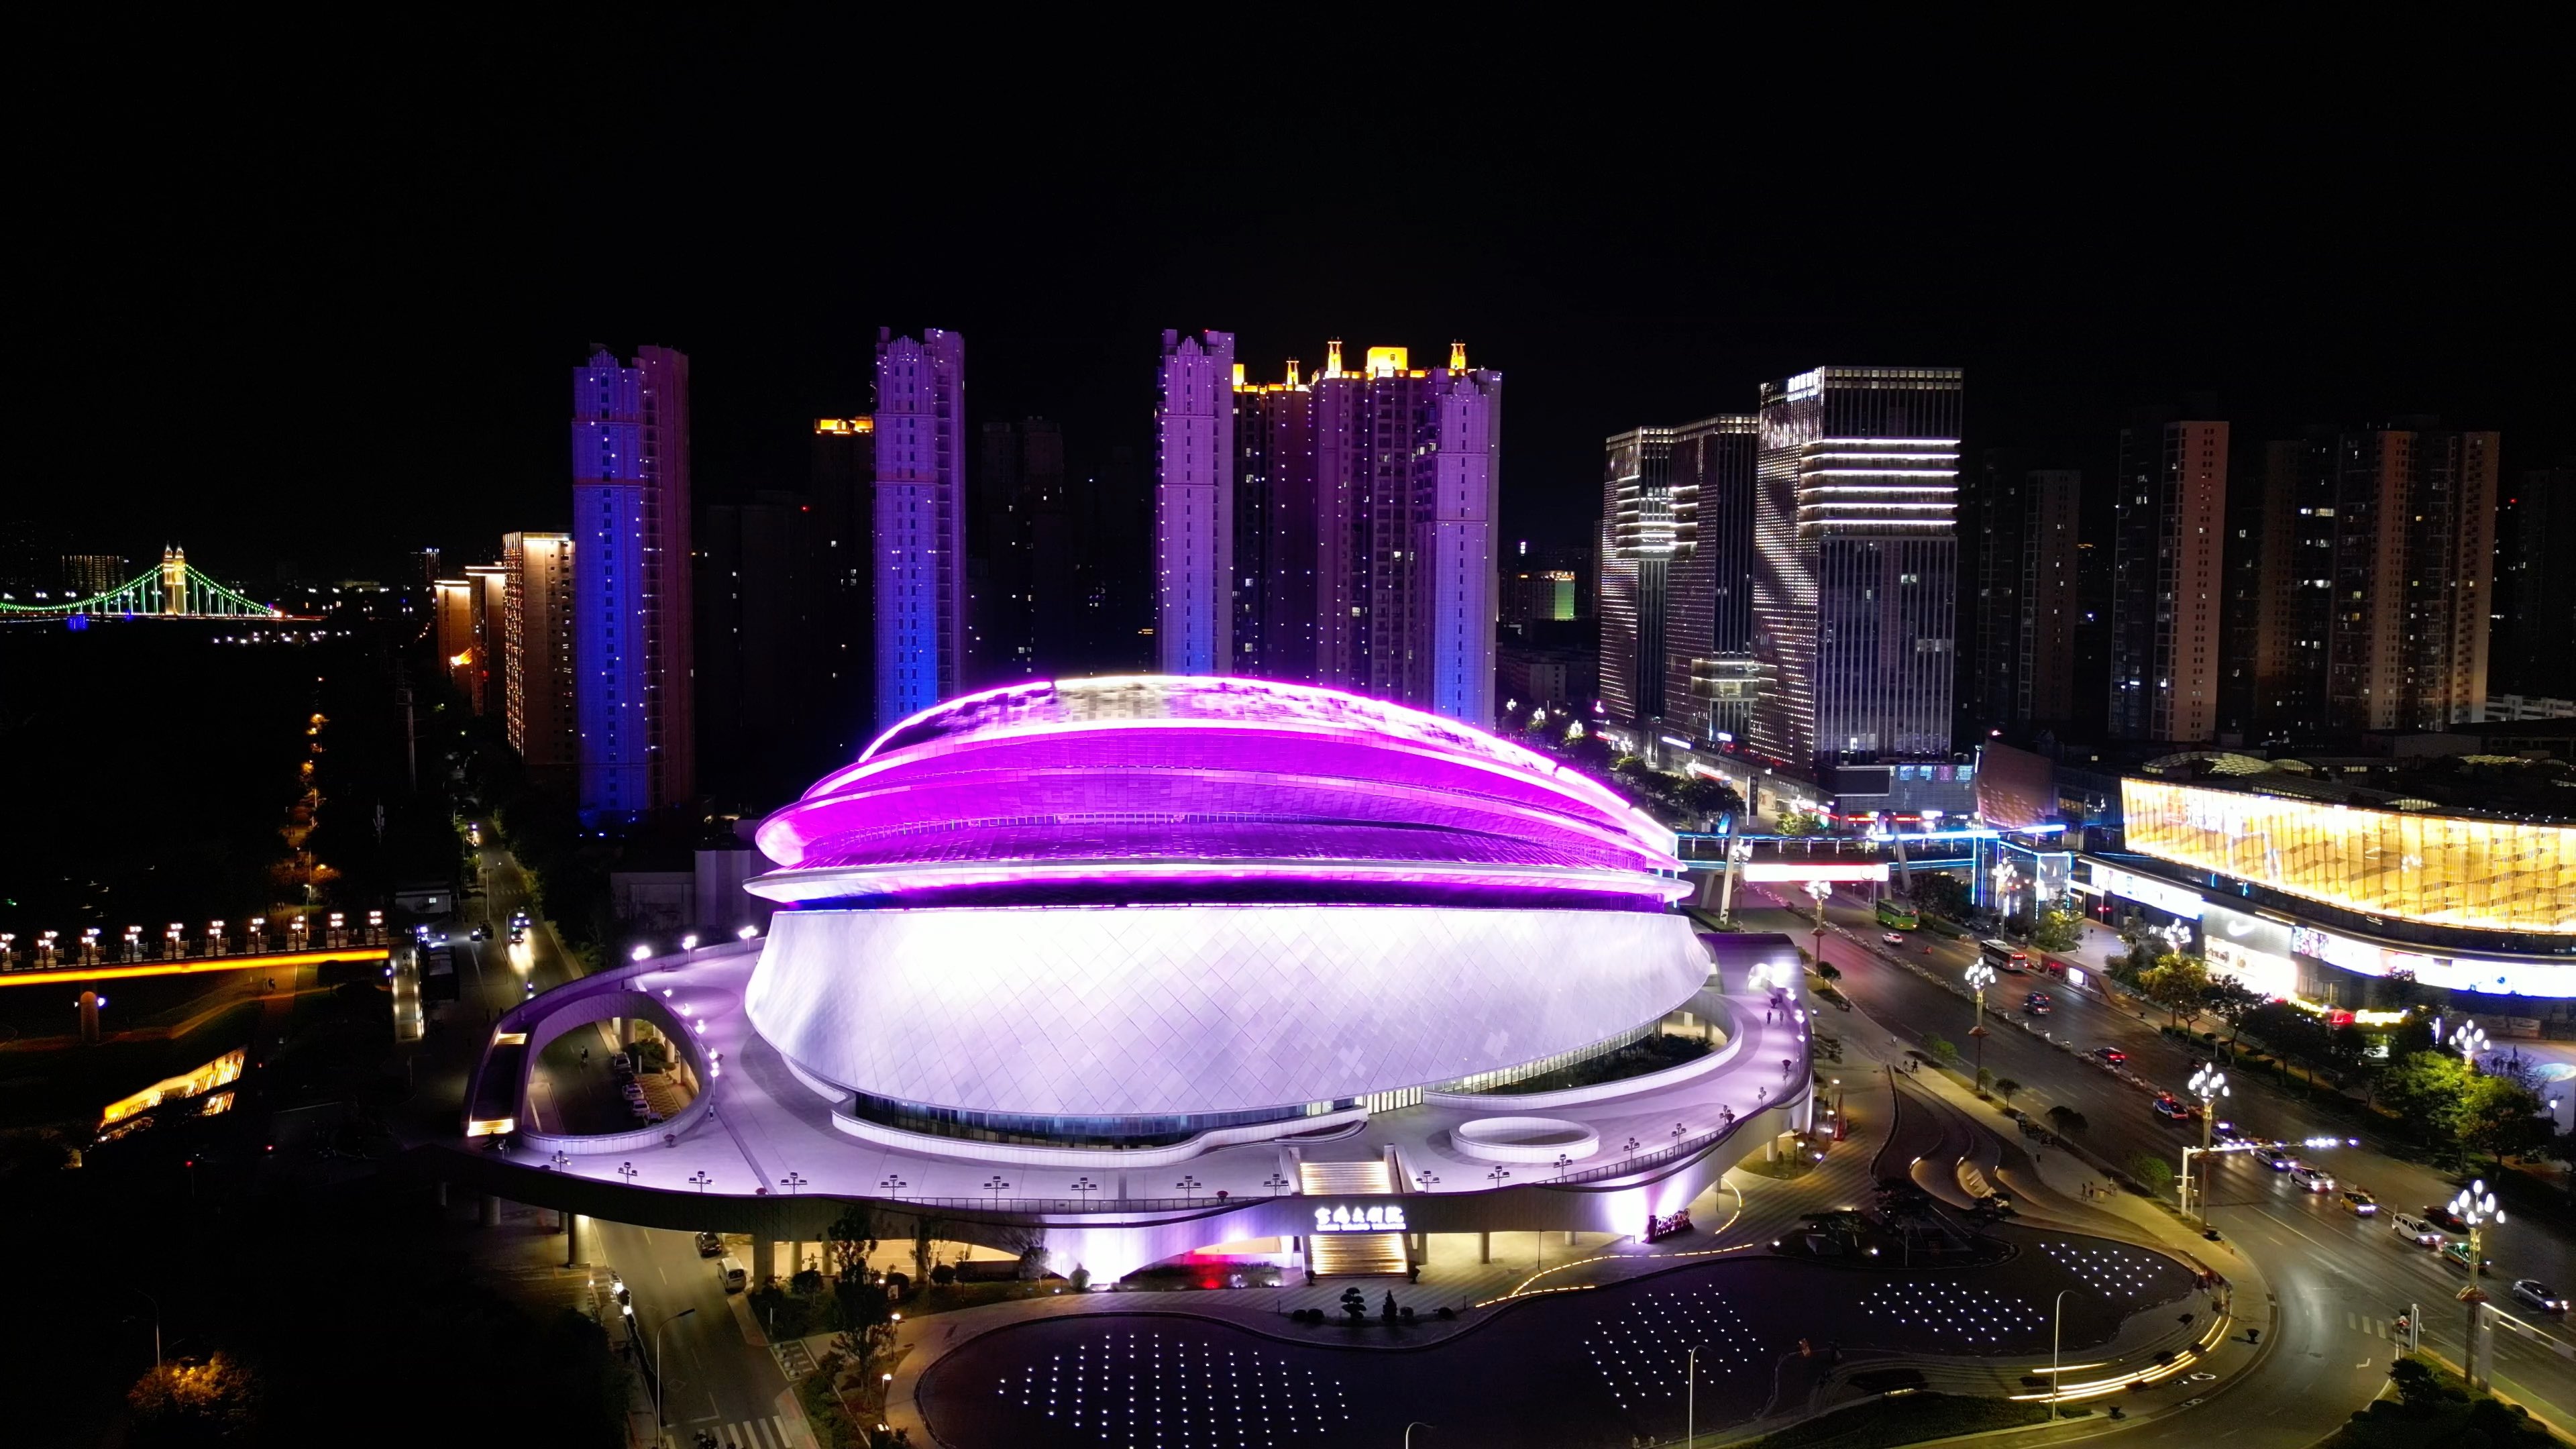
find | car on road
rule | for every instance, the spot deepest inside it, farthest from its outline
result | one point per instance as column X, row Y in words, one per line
column 2171, row 1109
column 2280, row 1160
column 2539, row 1295
column 2456, row 1252
column 2445, row 1219
column 518, row 935
column 479, row 933
column 2038, row 1003
column 2312, row 1179
column 1893, row 938
column 710, row 1245
column 2110, row 1056
column 2415, row 1230
column 2359, row 1203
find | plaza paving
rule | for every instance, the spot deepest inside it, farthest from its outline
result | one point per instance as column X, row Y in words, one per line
column 1590, row 1349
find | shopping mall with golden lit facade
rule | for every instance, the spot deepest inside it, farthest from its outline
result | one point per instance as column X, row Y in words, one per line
column 2304, row 881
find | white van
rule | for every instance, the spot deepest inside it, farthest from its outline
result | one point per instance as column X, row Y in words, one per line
column 729, row 1272
column 2415, row 1230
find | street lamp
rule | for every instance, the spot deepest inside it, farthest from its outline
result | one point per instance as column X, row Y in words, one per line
column 657, row 1360
column 701, row 1179
column 1425, row 1179
column 1189, row 1187
column 641, row 952
column 2471, row 1039
column 893, row 1187
column 1979, row 977
column 1823, row 891
column 627, row 1171
column 1499, row 1175
column 2056, row 1358
column 1561, row 1161
column 2476, row 1206
column 792, row 1181
column 1409, row 1428
column 996, row 1187
column 2208, row 1084
column 1086, row 1187
column 1690, row 1399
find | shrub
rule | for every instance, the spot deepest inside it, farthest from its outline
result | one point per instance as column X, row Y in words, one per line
column 944, row 1274
column 2152, row 1172
column 1081, row 1279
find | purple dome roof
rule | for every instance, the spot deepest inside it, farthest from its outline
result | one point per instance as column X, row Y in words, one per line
column 1189, row 783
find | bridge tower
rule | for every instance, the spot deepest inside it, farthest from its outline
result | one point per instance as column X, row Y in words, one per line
column 174, row 579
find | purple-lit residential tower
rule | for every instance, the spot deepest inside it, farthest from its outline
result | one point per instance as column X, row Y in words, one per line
column 921, row 603
column 1194, row 505
column 632, row 644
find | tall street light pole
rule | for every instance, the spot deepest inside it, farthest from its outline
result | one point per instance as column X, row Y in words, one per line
column 657, row 1363
column 2477, row 1206
column 2208, row 1084
column 2056, row 1358
column 1980, row 976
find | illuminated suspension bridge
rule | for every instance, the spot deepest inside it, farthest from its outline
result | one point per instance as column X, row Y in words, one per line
column 175, row 590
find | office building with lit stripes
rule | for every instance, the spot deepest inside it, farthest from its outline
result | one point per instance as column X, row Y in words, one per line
column 1855, row 602
column 1194, row 505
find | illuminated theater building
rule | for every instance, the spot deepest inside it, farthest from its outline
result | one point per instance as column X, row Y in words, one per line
column 2304, row 886
column 1129, row 967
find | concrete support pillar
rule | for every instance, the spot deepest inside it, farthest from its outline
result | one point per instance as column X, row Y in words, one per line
column 1484, row 1247
column 795, row 1256
column 488, row 1213
column 89, row 1018
column 1569, row 1240
column 572, row 1240
column 764, row 1259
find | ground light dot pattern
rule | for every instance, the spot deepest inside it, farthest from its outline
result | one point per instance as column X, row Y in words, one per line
column 1641, row 1354
column 1973, row 1319
column 1144, row 1391
column 2114, row 1271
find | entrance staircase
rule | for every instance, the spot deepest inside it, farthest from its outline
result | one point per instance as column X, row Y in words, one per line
column 1351, row 1255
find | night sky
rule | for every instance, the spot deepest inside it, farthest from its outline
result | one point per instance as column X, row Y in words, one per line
column 280, row 306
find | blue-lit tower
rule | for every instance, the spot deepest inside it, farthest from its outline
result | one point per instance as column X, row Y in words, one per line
column 631, row 643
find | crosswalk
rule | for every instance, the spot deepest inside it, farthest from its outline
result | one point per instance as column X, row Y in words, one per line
column 2363, row 1323
column 769, row 1433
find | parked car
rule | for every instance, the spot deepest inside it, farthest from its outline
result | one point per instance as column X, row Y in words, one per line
column 2415, row 1230
column 2312, row 1179
column 2359, row 1203
column 2445, row 1219
column 710, row 1245
column 618, row 1062
column 2539, row 1295
column 2456, row 1251
column 2111, row 1055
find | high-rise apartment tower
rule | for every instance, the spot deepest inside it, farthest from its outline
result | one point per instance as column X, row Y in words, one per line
column 2167, row 583
column 635, row 679
column 1194, row 505
column 920, row 595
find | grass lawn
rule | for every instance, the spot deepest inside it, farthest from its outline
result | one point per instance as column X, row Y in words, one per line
column 1905, row 1419
column 2446, row 1414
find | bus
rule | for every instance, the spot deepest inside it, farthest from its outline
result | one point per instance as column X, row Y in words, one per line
column 1897, row 914
column 2004, row 956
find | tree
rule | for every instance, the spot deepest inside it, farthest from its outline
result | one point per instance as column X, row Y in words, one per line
column 2065, row 1120
column 1985, row 1079
column 1354, row 1304
column 2056, row 931
column 2231, row 1001
column 1706, row 799
column 1942, row 895
column 1828, row 972
column 2176, row 982
column 2005, row 1087
column 849, row 1240
column 1941, row 1048
column 1800, row 822
column 2500, row 1117
column 2430, row 1090
column 2152, row 1172
column 188, row 1402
